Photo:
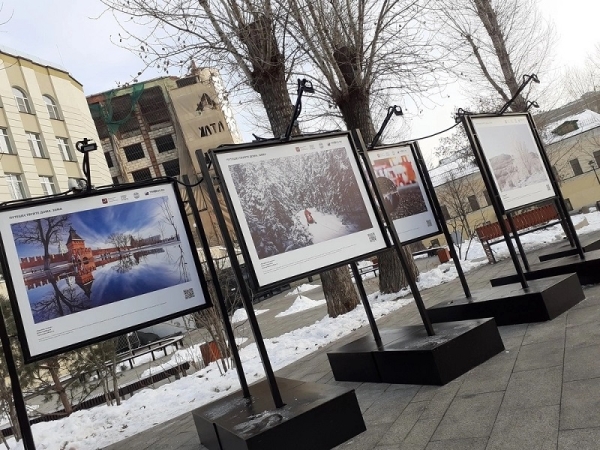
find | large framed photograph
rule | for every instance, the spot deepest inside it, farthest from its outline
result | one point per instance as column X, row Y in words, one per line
column 404, row 195
column 513, row 157
column 81, row 269
column 300, row 206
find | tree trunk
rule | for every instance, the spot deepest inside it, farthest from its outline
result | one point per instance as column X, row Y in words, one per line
column 340, row 294
column 60, row 389
column 489, row 18
column 113, row 373
column 356, row 113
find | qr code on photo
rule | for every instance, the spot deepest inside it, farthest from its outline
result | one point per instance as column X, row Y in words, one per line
column 429, row 223
column 372, row 237
column 188, row 293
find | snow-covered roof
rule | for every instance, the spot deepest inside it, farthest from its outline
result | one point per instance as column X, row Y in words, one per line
column 586, row 120
column 451, row 168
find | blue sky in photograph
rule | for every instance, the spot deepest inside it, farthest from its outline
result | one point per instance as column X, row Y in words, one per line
column 141, row 218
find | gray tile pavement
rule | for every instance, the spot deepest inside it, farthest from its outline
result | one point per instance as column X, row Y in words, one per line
column 542, row 392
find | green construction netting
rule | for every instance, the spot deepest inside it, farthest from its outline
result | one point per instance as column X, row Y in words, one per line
column 106, row 112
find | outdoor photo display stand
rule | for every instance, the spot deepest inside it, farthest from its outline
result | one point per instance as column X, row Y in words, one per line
column 515, row 174
column 58, row 255
column 411, row 354
column 298, row 207
column 521, row 129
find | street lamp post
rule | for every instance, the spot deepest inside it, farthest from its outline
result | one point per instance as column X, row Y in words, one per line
column 594, row 166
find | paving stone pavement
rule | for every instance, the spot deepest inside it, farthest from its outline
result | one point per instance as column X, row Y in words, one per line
column 542, row 392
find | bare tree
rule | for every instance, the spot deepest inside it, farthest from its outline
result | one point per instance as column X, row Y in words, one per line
column 119, row 240
column 493, row 44
column 242, row 38
column 42, row 232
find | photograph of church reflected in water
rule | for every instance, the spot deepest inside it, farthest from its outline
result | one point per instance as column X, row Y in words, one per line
column 79, row 261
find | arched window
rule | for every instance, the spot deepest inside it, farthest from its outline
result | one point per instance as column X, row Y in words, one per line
column 22, row 100
column 52, row 108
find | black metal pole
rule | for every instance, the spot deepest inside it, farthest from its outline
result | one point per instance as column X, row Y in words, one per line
column 515, row 233
column 246, row 297
column 396, row 240
column 441, row 220
column 491, row 188
column 563, row 222
column 365, row 302
column 391, row 111
column 15, row 385
column 526, row 80
column 217, row 286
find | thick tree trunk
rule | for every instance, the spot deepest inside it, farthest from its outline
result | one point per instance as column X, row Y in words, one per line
column 340, row 293
column 489, row 18
column 356, row 113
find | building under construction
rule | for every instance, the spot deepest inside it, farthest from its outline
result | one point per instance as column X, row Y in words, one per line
column 155, row 128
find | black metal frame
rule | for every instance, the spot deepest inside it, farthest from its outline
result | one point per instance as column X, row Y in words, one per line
column 113, row 190
column 419, row 169
column 256, row 286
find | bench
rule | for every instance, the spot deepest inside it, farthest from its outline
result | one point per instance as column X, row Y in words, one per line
column 365, row 270
column 432, row 251
column 161, row 344
column 530, row 221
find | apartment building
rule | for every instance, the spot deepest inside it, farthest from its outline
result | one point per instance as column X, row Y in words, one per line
column 154, row 128
column 43, row 114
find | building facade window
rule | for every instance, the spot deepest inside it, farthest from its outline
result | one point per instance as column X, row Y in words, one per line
column 473, row 203
column 47, row 185
column 5, row 146
column 576, row 167
column 134, row 152
column 171, row 168
column 115, row 180
column 597, row 158
column 109, row 161
column 487, row 197
column 445, row 212
column 141, row 175
column 35, row 144
column 165, row 143
column 22, row 100
column 52, row 108
column 65, row 148
column 15, row 186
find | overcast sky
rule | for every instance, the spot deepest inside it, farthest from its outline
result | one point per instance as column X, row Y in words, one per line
column 76, row 35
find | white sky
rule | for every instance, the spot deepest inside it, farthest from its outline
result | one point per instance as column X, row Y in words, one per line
column 65, row 33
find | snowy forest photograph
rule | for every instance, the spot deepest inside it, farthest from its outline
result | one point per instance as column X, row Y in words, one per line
column 512, row 154
column 300, row 200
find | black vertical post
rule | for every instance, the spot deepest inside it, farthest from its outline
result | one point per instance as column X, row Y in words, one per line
column 217, row 286
column 440, row 216
column 20, row 407
column 491, row 188
column 365, row 302
column 246, row 297
column 557, row 192
column 563, row 222
column 396, row 240
column 515, row 233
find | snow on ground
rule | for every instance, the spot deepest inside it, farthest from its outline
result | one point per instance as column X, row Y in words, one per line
column 325, row 226
column 301, row 303
column 240, row 315
column 101, row 426
column 302, row 288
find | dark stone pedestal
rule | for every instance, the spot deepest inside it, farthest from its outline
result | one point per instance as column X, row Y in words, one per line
column 409, row 356
column 588, row 269
column 315, row 416
column 511, row 304
column 588, row 244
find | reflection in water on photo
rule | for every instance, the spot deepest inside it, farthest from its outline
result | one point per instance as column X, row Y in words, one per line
column 83, row 286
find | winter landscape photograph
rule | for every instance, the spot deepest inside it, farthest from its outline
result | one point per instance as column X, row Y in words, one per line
column 512, row 154
column 299, row 200
column 398, row 183
column 75, row 262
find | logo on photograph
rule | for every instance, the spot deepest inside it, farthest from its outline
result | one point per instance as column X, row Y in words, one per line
column 105, row 201
column 136, row 195
column 320, row 145
column 297, row 149
column 123, row 197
